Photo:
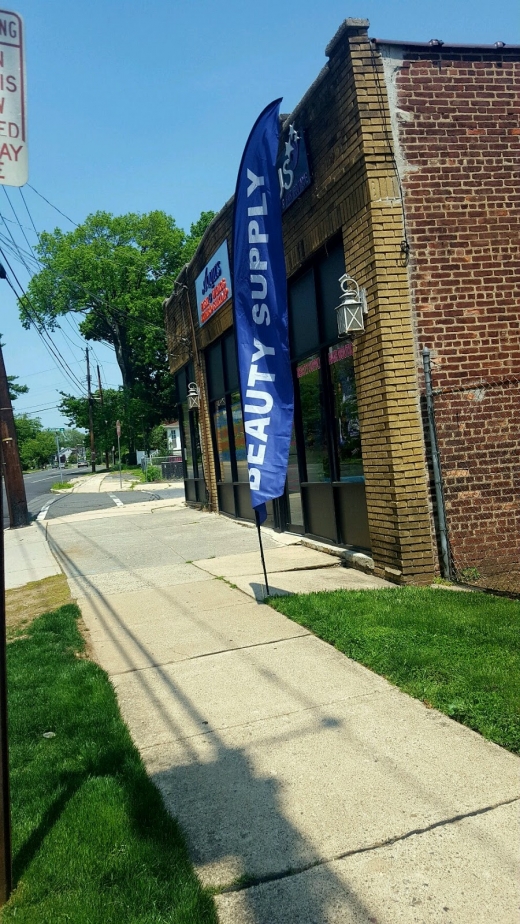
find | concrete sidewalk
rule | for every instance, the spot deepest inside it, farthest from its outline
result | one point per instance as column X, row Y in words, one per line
column 311, row 790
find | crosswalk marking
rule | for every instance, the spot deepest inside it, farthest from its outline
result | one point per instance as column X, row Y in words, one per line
column 43, row 512
column 117, row 501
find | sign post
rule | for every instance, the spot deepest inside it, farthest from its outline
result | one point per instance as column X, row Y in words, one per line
column 59, row 456
column 118, row 431
column 14, row 171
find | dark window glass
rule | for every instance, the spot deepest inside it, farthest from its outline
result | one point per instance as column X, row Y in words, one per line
column 293, row 484
column 215, row 371
column 303, row 315
column 186, row 439
column 182, row 390
column 346, row 418
column 240, row 440
column 230, row 362
column 220, row 423
column 329, row 271
column 310, row 385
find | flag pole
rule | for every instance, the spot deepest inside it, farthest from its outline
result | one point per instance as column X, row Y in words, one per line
column 257, row 519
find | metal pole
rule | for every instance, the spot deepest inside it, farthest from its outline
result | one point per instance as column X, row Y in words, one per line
column 119, row 454
column 5, row 812
column 59, row 457
column 437, row 478
column 257, row 519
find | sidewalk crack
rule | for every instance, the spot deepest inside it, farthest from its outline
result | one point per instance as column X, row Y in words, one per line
column 247, row 882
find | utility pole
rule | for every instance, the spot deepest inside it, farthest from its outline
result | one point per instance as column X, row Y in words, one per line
column 107, row 462
column 12, row 469
column 90, row 416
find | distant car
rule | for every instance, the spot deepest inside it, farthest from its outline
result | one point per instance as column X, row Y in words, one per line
column 82, row 463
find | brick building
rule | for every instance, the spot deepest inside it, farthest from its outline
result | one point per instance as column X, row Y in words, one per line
column 408, row 185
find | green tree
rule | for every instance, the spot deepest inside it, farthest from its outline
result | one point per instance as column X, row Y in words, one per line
column 12, row 383
column 15, row 390
column 158, row 439
column 115, row 272
column 36, row 445
column 133, row 414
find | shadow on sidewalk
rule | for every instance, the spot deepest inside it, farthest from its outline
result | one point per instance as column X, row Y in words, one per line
column 235, row 826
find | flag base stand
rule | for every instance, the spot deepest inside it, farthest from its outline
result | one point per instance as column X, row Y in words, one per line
column 257, row 520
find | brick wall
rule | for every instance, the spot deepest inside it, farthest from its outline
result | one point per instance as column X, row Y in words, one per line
column 455, row 121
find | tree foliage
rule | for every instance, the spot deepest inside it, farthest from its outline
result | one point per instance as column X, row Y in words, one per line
column 15, row 390
column 115, row 271
column 133, row 414
column 36, row 445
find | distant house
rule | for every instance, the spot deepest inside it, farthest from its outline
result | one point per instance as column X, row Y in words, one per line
column 173, row 437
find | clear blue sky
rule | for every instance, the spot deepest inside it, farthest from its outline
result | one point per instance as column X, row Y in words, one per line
column 134, row 106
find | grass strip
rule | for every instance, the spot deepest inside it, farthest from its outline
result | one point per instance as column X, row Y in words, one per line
column 92, row 841
column 458, row 652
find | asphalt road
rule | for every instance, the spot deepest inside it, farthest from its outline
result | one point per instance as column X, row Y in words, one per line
column 39, row 496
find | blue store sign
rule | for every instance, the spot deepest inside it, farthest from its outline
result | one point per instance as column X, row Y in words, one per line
column 293, row 167
column 213, row 285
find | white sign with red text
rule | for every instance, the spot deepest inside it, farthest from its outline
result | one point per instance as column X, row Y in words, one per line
column 14, row 168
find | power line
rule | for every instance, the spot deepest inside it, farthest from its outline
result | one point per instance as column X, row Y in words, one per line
column 16, row 246
column 28, row 212
column 55, row 207
column 19, row 223
column 49, row 345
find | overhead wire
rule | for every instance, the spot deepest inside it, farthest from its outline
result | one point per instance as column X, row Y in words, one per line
column 47, row 343
column 55, row 207
column 19, row 223
column 28, row 212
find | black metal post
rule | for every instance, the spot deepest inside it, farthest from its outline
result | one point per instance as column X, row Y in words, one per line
column 5, row 811
column 257, row 519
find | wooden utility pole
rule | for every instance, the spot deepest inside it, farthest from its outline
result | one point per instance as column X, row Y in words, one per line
column 12, row 469
column 107, row 462
column 90, row 416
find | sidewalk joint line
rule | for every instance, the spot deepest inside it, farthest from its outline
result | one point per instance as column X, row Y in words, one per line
column 296, row 871
column 208, row 654
column 266, row 718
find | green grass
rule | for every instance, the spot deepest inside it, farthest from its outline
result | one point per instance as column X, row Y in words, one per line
column 458, row 652
column 92, row 841
column 62, row 485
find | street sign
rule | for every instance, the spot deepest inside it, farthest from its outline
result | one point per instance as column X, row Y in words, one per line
column 14, row 168
column 118, row 428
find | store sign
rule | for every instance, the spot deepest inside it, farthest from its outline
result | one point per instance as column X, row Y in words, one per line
column 213, row 285
column 13, row 107
column 293, row 167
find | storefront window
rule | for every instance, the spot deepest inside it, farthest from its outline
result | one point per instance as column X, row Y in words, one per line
column 293, row 484
column 220, row 424
column 187, row 440
column 346, row 418
column 309, row 379
column 240, row 441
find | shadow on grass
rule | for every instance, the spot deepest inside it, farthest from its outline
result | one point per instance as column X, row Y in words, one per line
column 86, row 817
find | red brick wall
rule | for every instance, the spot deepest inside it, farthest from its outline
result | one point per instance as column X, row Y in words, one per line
column 456, row 123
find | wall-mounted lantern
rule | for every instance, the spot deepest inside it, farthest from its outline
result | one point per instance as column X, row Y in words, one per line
column 352, row 309
column 193, row 395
